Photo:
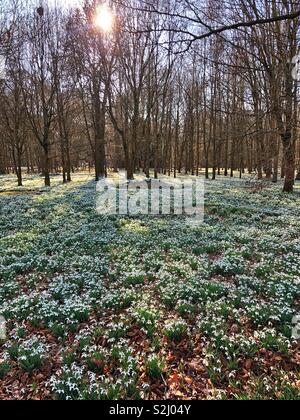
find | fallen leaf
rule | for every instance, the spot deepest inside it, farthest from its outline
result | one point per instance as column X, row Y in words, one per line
column 248, row 364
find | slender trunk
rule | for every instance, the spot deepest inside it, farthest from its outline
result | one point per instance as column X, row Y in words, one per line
column 17, row 162
column 276, row 162
column 19, row 169
column 289, row 156
column 68, row 162
column 47, row 167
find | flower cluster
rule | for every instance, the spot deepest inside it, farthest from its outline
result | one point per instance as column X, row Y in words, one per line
column 126, row 303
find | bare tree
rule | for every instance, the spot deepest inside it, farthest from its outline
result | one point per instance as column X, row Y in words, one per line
column 38, row 85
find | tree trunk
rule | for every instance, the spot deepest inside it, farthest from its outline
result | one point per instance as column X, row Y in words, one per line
column 47, row 168
column 276, row 162
column 19, row 169
column 289, row 157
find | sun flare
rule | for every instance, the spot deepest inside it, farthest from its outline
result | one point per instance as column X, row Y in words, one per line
column 104, row 19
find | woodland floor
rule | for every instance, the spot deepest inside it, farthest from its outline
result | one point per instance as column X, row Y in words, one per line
column 125, row 308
